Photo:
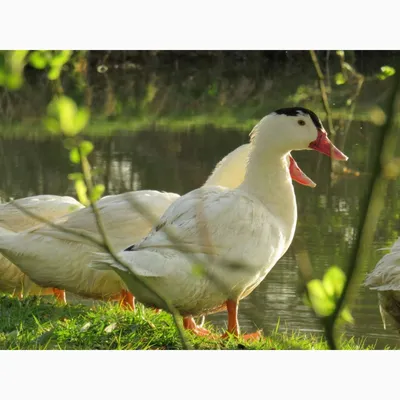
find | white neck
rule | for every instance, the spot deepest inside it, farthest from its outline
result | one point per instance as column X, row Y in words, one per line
column 230, row 171
column 268, row 178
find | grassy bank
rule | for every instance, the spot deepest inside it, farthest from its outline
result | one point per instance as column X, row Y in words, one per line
column 34, row 323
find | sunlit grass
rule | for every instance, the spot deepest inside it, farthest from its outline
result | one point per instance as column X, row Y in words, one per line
column 34, row 323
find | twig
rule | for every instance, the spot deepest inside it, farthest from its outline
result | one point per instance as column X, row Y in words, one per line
column 88, row 181
column 324, row 95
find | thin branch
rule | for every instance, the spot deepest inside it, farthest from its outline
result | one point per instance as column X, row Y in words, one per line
column 88, row 181
column 324, row 94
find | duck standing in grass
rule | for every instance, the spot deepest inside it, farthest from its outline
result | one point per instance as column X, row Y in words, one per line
column 385, row 279
column 51, row 257
column 213, row 246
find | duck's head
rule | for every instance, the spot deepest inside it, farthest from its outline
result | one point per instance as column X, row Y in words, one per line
column 296, row 128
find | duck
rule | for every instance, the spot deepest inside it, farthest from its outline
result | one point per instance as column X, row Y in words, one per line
column 12, row 279
column 53, row 257
column 385, row 279
column 214, row 245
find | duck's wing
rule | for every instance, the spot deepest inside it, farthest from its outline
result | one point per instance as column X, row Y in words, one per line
column 45, row 206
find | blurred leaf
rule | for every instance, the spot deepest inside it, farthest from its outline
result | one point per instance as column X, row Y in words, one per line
column 52, row 124
column 340, row 79
column 97, row 192
column 74, row 156
column 81, row 191
column 71, row 119
column 320, row 302
column 38, row 59
column 340, row 53
column 86, row 147
column 61, row 58
column 14, row 81
column 110, row 328
column 54, row 73
column 346, row 316
column 75, row 175
column 333, row 281
column 386, row 71
column 81, row 119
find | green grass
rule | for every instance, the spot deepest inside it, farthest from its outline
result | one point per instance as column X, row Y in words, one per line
column 33, row 323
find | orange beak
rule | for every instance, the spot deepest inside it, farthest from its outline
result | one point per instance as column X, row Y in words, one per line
column 325, row 146
column 298, row 175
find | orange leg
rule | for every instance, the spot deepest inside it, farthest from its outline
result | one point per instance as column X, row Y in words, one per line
column 233, row 323
column 127, row 300
column 190, row 324
column 60, row 295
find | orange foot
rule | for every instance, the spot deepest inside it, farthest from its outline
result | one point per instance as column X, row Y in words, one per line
column 190, row 325
column 60, row 295
column 127, row 301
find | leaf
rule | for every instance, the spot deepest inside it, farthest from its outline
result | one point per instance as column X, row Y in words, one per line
column 340, row 53
column 74, row 156
column 38, row 59
column 61, row 58
column 346, row 316
column 86, row 148
column 81, row 192
column 333, row 282
column 52, row 124
column 64, row 110
column 386, row 71
column 81, row 119
column 97, row 192
column 54, row 73
column 75, row 175
column 320, row 302
column 340, row 79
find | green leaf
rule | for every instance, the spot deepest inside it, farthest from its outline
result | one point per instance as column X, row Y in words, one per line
column 75, row 175
column 321, row 303
column 38, row 59
column 333, row 282
column 14, row 81
column 74, row 156
column 54, row 73
column 346, row 316
column 61, row 58
column 81, row 119
column 71, row 119
column 81, row 191
column 97, row 192
column 86, row 148
column 340, row 53
column 52, row 124
column 340, row 79
column 386, row 71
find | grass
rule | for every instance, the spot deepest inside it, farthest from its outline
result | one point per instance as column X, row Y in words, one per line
column 36, row 324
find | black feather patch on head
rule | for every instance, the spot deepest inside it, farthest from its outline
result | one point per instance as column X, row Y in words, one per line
column 298, row 111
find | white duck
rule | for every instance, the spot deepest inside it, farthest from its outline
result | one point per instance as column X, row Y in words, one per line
column 385, row 279
column 51, row 257
column 11, row 218
column 236, row 235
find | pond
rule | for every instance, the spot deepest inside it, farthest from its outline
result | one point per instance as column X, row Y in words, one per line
column 179, row 159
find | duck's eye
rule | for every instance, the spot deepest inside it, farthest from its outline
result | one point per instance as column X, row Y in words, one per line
column 301, row 122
